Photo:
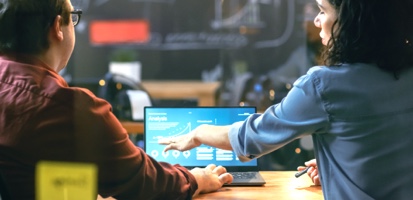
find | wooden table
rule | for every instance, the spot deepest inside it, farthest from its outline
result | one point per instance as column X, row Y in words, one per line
column 204, row 92
column 281, row 185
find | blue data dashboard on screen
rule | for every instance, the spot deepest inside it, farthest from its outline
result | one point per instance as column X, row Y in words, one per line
column 161, row 122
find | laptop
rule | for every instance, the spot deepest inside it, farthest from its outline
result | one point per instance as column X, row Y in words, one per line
column 164, row 122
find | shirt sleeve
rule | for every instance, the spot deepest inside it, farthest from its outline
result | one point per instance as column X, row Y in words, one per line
column 301, row 112
column 124, row 170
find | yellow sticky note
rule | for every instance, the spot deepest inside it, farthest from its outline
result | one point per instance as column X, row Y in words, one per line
column 66, row 181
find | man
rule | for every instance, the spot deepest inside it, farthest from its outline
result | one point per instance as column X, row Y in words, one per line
column 41, row 118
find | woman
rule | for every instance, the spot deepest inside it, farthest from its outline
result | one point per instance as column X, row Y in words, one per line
column 358, row 107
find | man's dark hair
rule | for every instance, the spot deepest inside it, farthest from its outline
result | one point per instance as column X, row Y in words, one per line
column 24, row 24
column 372, row 31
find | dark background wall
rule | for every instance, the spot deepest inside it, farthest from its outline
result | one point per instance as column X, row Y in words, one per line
column 183, row 41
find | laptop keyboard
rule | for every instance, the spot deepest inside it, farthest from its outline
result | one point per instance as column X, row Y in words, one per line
column 243, row 175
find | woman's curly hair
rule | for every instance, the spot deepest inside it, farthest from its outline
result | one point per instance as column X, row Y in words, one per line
column 372, row 31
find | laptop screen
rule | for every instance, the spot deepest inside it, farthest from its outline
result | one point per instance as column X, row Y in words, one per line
column 165, row 122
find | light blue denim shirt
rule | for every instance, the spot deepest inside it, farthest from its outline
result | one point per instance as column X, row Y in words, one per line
column 361, row 120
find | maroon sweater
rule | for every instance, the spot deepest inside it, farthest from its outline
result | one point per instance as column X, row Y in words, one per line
column 41, row 118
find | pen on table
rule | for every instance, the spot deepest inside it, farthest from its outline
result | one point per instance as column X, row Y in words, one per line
column 298, row 174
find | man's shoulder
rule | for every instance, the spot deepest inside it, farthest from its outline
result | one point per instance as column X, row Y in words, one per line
column 39, row 83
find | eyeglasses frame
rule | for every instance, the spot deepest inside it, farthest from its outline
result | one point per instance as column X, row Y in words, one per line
column 77, row 12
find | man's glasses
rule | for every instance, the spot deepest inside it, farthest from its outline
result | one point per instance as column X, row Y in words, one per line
column 76, row 16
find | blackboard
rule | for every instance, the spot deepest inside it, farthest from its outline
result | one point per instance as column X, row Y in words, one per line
column 263, row 32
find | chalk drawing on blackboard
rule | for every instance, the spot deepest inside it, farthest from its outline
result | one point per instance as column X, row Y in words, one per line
column 287, row 32
column 248, row 15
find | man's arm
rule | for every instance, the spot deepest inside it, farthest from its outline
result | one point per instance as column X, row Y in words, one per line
column 126, row 171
